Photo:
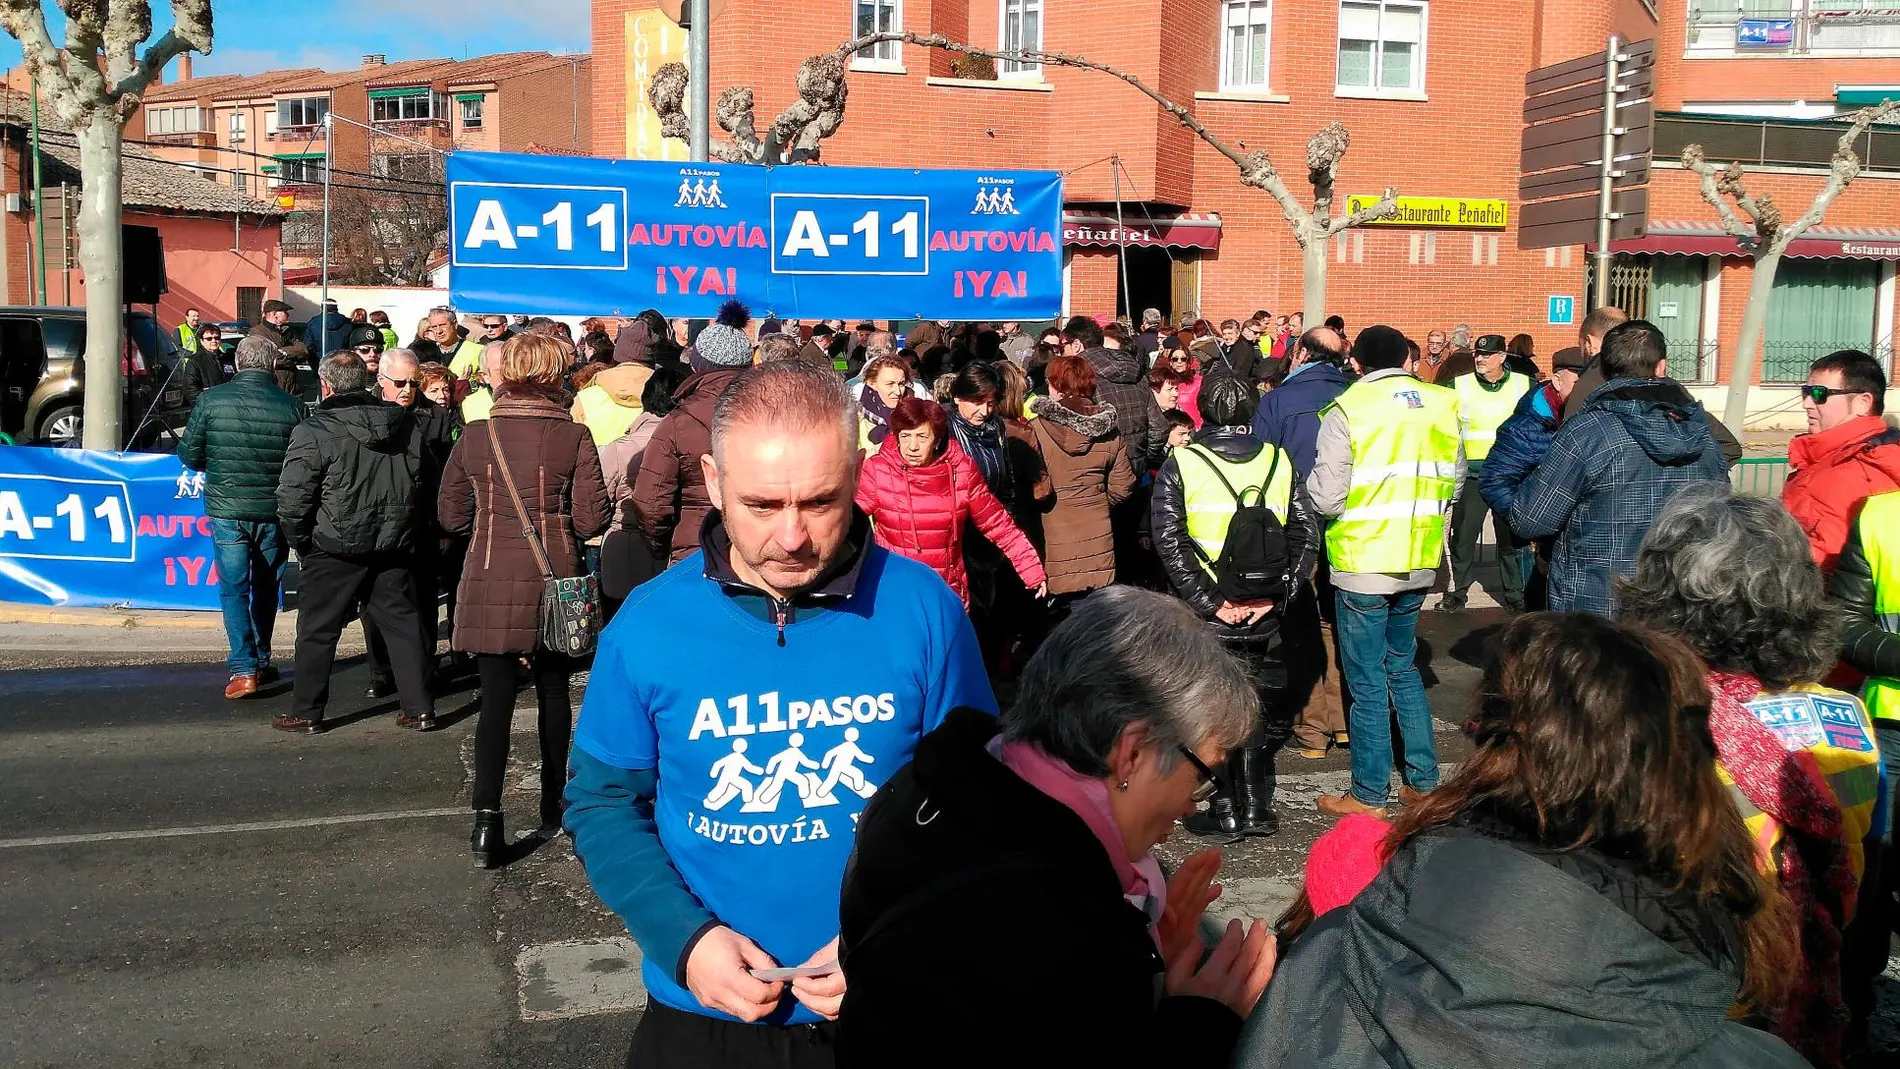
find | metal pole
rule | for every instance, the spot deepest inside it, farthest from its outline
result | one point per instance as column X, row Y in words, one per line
column 1121, row 236
column 323, row 306
column 39, row 214
column 699, row 80
column 65, row 244
column 1605, row 187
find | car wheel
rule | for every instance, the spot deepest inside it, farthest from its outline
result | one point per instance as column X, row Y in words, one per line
column 61, row 427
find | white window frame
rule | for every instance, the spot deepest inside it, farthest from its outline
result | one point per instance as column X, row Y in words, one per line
column 481, row 106
column 1006, row 68
column 1227, row 85
column 889, row 55
column 239, row 126
column 1415, row 91
column 322, row 102
column 270, row 121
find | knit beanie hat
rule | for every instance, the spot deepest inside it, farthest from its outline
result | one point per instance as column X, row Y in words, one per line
column 723, row 343
column 1345, row 861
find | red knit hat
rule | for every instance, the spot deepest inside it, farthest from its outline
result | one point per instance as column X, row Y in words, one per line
column 1344, row 861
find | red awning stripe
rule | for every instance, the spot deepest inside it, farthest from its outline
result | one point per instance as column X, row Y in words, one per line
column 1139, row 230
column 1821, row 243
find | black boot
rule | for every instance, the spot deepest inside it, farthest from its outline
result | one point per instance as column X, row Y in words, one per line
column 1255, row 787
column 487, row 840
column 551, row 809
column 1221, row 818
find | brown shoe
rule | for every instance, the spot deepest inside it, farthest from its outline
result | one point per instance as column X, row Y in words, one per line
column 1410, row 797
column 1311, row 753
column 1342, row 738
column 1345, row 805
column 240, row 687
column 297, row 724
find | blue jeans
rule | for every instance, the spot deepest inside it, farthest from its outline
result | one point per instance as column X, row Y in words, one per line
column 251, row 558
column 1377, row 636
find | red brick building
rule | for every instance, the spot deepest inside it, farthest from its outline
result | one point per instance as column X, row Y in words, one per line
column 1432, row 91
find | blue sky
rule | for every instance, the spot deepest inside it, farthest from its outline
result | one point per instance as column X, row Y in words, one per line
column 252, row 36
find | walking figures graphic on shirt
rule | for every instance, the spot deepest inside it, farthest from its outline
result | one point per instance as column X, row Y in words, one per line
column 813, row 781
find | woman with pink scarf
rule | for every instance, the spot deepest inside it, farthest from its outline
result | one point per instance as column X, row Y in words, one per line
column 1003, row 906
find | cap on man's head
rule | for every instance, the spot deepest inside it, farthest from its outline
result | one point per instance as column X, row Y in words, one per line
column 275, row 306
column 1379, row 346
column 867, row 326
column 1489, row 343
column 1569, row 358
column 363, row 334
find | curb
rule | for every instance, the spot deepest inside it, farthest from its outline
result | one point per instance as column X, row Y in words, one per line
column 120, row 619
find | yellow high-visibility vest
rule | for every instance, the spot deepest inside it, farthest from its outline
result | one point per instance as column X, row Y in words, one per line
column 604, row 418
column 466, row 358
column 1485, row 410
column 1880, row 539
column 1404, row 472
column 477, row 405
column 1210, row 502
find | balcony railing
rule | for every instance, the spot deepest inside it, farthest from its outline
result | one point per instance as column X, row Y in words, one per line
column 1788, row 362
column 1774, row 142
column 1795, row 28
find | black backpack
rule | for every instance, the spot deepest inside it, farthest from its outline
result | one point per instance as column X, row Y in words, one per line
column 1252, row 564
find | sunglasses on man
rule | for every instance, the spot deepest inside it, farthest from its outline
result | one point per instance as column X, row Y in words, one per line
column 1820, row 394
column 369, row 350
column 401, row 384
column 494, row 325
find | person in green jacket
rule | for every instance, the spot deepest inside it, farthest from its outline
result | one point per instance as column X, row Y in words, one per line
column 237, row 435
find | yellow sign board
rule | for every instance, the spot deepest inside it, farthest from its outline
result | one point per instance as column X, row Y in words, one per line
column 653, row 40
column 1470, row 212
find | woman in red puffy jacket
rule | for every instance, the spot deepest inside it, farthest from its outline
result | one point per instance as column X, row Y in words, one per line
column 920, row 488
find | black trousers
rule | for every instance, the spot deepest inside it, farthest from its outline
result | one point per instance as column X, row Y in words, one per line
column 427, row 573
column 501, row 676
column 330, row 587
column 674, row 1039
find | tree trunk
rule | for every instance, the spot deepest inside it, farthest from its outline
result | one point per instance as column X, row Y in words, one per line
column 1315, row 273
column 1742, row 370
column 100, row 258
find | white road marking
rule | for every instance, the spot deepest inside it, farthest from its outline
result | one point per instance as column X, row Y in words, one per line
column 228, row 829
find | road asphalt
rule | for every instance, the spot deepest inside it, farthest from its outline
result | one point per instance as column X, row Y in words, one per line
column 184, row 886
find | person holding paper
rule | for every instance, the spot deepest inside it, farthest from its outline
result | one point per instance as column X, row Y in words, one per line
column 1003, row 907
column 742, row 707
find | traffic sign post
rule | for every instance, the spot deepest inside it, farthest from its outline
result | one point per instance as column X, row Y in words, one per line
column 1586, row 151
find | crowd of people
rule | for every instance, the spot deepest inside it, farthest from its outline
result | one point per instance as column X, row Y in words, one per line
column 1181, row 548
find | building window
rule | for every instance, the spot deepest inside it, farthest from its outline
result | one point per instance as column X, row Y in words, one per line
column 172, row 121
column 270, row 122
column 1818, row 307
column 300, row 170
column 1246, row 36
column 1381, row 47
column 1783, row 27
column 238, row 121
column 302, row 112
column 1021, row 21
column 418, row 105
column 880, row 16
column 250, row 303
column 417, row 168
column 472, row 113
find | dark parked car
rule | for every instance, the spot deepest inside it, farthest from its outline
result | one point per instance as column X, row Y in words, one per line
column 42, row 374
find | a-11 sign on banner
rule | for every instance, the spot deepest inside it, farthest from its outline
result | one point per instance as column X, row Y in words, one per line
column 557, row 235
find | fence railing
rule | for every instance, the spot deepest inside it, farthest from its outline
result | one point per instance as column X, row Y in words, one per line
column 1759, row 476
column 1773, row 142
column 1788, row 362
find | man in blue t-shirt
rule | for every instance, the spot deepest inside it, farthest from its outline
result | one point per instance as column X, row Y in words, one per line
column 743, row 707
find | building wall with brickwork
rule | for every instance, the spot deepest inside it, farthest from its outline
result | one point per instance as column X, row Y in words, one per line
column 1456, row 134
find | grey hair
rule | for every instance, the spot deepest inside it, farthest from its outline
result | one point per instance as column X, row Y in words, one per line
column 1150, row 317
column 777, row 347
column 1735, row 578
column 257, row 354
column 398, row 355
column 786, row 393
column 1128, row 656
column 344, row 373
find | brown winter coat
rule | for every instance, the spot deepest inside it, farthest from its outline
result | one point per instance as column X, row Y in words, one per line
column 557, row 470
column 1088, row 472
column 670, row 500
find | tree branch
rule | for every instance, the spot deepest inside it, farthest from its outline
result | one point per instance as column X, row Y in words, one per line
column 25, row 21
column 1713, row 180
column 1843, row 169
column 190, row 32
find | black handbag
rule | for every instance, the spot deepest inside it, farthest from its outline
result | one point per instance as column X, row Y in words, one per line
column 569, row 619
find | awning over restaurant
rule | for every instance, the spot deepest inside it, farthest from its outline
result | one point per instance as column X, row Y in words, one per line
column 1140, row 229
column 1697, row 238
column 1863, row 96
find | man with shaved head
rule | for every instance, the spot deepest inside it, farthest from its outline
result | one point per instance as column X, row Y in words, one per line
column 742, row 708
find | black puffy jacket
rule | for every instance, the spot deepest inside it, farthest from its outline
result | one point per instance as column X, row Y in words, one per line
column 200, row 370
column 1864, row 643
column 1190, row 581
column 353, row 478
column 237, row 436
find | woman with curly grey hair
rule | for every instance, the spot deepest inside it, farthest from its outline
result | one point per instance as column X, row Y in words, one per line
column 1734, row 578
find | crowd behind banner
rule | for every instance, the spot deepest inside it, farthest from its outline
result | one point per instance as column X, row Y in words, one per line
column 1193, row 552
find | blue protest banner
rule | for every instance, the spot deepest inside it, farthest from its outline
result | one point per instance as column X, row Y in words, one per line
column 86, row 528
column 562, row 236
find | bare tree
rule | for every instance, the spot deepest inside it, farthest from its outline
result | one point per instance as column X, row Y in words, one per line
column 94, row 83
column 384, row 231
column 795, row 136
column 1763, row 233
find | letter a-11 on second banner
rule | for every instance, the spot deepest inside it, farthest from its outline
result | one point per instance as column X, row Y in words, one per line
column 561, row 236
